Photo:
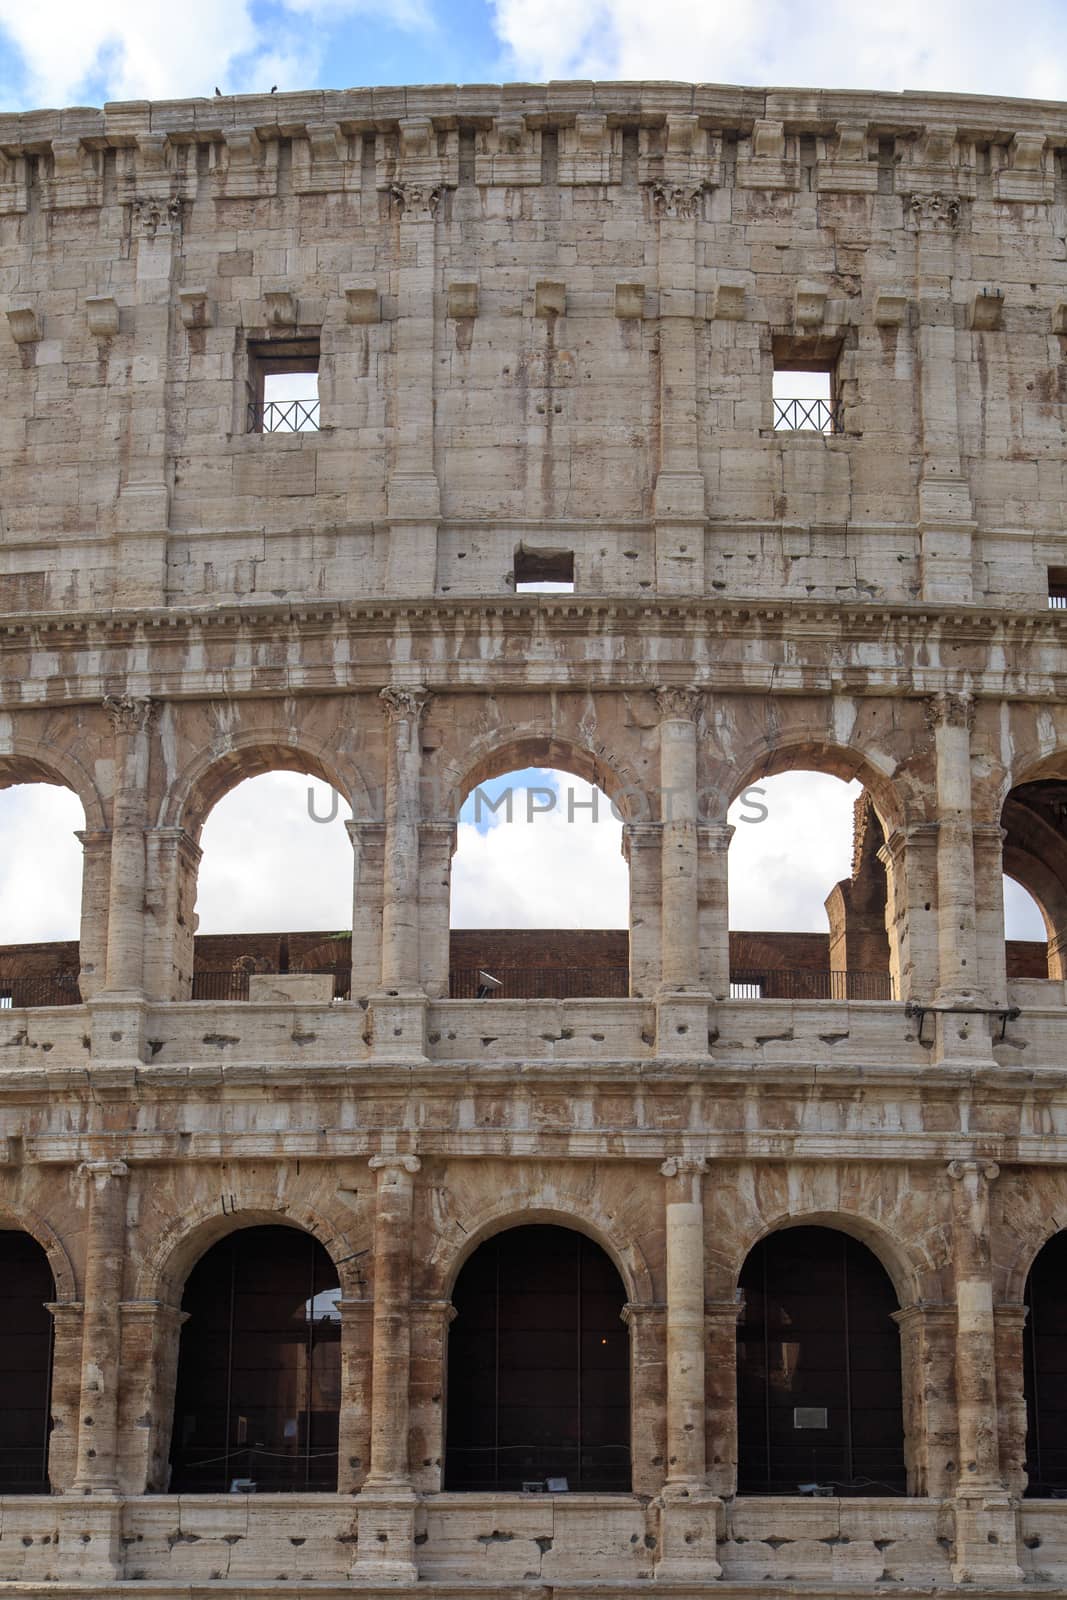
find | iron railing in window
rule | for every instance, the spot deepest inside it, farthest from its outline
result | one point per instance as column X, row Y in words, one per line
column 608, row 982
column 808, row 416
column 230, row 985
column 1057, row 599
column 283, row 416
column 42, row 989
column 789, row 983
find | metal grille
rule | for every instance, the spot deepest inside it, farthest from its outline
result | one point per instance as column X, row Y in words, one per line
column 45, row 989
column 807, row 416
column 230, row 985
column 1057, row 599
column 544, row 983
column 283, row 416
column 783, row 983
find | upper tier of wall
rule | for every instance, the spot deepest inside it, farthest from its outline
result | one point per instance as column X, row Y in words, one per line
column 548, row 317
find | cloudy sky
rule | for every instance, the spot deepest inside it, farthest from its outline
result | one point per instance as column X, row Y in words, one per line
column 269, row 865
column 69, row 52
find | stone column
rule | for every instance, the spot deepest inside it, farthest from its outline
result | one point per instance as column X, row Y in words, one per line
column 387, row 1500
column 67, row 1318
column 713, row 911
column 690, row 1513
column 648, row 1395
column 988, row 842
column 679, row 499
column 413, row 497
column 642, row 845
column 680, row 962
column 368, row 866
column 92, row 944
column 97, row 1464
column 430, row 1320
column 131, row 720
column 437, row 845
column 985, row 1522
column 150, row 1339
column 951, row 717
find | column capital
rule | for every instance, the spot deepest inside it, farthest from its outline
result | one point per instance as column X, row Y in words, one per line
column 382, row 1163
column 949, row 711
column 684, row 1166
column 130, row 714
column 961, row 1171
column 100, row 1171
column 404, row 703
column 678, row 704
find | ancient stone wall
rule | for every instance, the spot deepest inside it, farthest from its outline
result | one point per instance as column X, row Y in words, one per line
column 547, row 323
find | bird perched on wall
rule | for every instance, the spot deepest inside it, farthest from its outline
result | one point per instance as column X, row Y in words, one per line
column 218, row 91
column 274, row 88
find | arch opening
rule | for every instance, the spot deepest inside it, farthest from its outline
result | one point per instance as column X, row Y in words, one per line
column 40, row 895
column 808, row 890
column 273, row 887
column 819, row 1379
column 539, row 889
column 1034, row 821
column 538, row 1366
column 26, row 1345
column 258, row 1391
column 1045, row 1371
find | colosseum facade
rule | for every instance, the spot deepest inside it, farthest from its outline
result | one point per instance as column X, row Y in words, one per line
column 325, row 1278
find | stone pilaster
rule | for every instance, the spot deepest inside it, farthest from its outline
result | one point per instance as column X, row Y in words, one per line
column 648, row 1395
column 368, row 870
column 353, row 1441
column 946, row 513
column 150, row 1336
column 686, row 1464
column 131, row 720
column 909, row 856
column 985, row 1517
column 387, row 1500
column 951, row 718
column 67, row 1319
column 398, row 1010
column 928, row 1364
column 437, row 845
column 713, row 912
column 1010, row 1324
column 988, row 843
column 97, row 1461
column 679, row 498
column 642, row 846
column 96, row 877
column 680, row 964
column 143, row 510
column 720, row 1366
column 430, row 1321
column 414, row 498
column 173, row 860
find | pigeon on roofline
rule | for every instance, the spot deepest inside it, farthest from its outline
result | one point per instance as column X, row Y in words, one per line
column 218, row 91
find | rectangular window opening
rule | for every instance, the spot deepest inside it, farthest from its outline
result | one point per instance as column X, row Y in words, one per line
column 1057, row 588
column 805, row 387
column 544, row 571
column 283, row 386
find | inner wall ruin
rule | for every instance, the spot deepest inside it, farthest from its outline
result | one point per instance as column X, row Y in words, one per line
column 546, row 324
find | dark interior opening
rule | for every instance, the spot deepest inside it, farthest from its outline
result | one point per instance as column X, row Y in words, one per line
column 259, row 1367
column 26, row 1288
column 1045, row 1372
column 538, row 1366
column 536, row 567
column 1057, row 588
column 818, row 1369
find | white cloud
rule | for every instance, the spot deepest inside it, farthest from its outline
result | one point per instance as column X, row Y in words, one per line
column 857, row 44
column 40, row 864
column 122, row 50
column 268, row 868
column 782, row 868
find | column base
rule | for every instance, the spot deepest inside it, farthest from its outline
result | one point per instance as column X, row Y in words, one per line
column 89, row 1530
column 386, row 1535
column 682, row 1026
column 691, row 1520
column 986, row 1550
column 396, row 1027
column 961, row 1038
column 117, row 1027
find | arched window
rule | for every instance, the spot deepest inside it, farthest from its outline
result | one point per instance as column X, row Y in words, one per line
column 538, row 1366
column 818, row 1368
column 540, row 890
column 26, row 1287
column 259, row 1375
column 1045, row 1370
column 40, row 895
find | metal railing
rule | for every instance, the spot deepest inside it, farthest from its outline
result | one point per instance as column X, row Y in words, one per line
column 789, row 983
column 230, row 985
column 44, row 989
column 544, row 983
column 807, row 416
column 1057, row 599
column 283, row 416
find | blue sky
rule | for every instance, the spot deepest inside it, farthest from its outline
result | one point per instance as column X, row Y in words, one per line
column 68, row 52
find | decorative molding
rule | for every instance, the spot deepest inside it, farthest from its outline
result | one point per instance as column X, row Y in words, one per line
column 197, row 310
column 959, row 1170
column 677, row 704
column 949, row 711
column 129, row 714
column 403, row 704
column 684, row 1166
column 676, row 201
column 24, row 323
column 385, row 1163
column 416, row 202
column 102, row 313
column 937, row 210
column 150, row 216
